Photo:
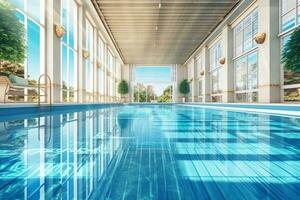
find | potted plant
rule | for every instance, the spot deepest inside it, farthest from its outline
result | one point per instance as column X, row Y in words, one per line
column 123, row 89
column 184, row 88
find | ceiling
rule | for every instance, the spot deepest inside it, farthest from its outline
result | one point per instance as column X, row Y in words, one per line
column 160, row 31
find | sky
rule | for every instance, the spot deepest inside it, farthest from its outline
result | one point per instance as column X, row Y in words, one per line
column 157, row 76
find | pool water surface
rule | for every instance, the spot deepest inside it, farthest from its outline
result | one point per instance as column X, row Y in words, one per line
column 149, row 152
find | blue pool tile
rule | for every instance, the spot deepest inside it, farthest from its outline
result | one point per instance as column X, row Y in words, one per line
column 148, row 152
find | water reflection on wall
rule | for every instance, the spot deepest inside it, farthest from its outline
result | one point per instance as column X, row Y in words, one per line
column 60, row 155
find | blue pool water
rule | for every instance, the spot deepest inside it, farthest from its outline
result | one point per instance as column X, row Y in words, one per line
column 149, row 152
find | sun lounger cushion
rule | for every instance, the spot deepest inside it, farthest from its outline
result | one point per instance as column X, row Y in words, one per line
column 15, row 80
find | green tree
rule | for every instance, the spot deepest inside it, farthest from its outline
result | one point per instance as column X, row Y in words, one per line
column 291, row 53
column 12, row 43
column 166, row 96
column 123, row 87
column 184, row 87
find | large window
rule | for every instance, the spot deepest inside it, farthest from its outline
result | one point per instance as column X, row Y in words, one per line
column 111, row 82
column 246, row 59
column 69, row 51
column 101, row 80
column 290, row 14
column 200, row 69
column 31, row 15
column 215, row 54
column 246, row 78
column 244, row 34
column 89, row 61
column 290, row 19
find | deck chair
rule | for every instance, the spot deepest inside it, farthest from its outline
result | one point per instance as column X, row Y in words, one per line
column 16, row 89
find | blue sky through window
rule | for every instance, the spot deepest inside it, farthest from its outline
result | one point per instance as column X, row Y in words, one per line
column 157, row 76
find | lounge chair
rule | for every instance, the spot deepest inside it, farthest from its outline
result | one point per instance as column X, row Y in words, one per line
column 15, row 86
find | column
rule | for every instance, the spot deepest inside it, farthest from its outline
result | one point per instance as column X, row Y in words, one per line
column 53, row 48
column 228, row 67
column 206, row 78
column 269, row 53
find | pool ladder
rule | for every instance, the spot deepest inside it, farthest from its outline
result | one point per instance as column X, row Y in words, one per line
column 45, row 89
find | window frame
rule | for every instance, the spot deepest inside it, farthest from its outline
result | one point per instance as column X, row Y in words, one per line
column 282, row 35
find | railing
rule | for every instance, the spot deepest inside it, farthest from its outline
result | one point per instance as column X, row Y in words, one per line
column 45, row 89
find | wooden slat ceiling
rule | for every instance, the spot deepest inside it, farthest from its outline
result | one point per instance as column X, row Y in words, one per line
column 160, row 31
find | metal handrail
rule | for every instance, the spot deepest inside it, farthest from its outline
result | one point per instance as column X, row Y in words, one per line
column 46, row 89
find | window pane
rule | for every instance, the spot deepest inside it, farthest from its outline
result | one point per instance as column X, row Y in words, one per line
column 64, row 66
column 288, row 21
column 34, row 9
column 252, row 71
column 72, row 24
column 247, row 34
column 72, row 70
column 216, row 99
column 254, row 97
column 241, row 74
column 18, row 3
column 287, row 5
column 33, row 51
column 238, row 40
column 215, row 53
column 254, row 26
column 89, row 39
column 89, row 77
column 64, row 19
column 241, row 97
column 298, row 14
column 290, row 76
column 292, row 94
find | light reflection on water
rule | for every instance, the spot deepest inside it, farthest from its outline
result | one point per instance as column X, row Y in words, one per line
column 144, row 152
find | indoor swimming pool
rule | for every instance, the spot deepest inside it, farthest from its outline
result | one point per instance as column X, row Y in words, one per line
column 148, row 152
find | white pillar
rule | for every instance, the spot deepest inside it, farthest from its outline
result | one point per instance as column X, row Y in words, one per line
column 228, row 67
column 269, row 52
column 53, row 48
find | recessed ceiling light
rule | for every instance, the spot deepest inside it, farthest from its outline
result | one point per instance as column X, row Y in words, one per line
column 159, row 5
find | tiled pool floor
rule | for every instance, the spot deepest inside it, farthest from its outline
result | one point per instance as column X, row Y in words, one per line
column 150, row 152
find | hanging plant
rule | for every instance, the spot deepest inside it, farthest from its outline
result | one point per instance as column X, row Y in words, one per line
column 291, row 53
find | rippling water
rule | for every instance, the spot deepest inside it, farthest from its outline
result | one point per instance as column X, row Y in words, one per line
column 150, row 152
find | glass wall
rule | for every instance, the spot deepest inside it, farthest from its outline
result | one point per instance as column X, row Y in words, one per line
column 101, row 80
column 290, row 19
column 215, row 54
column 246, row 59
column 200, row 69
column 110, row 68
column 69, row 51
column 89, row 62
column 31, row 15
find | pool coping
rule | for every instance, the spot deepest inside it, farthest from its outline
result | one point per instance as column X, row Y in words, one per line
column 274, row 109
column 278, row 109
